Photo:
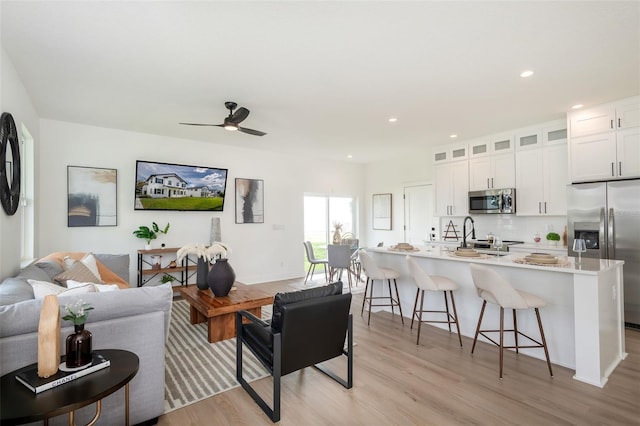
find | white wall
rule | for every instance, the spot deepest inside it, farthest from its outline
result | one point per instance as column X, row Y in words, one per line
column 391, row 176
column 15, row 100
column 260, row 252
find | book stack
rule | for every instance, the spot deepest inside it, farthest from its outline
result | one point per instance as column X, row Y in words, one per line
column 37, row 384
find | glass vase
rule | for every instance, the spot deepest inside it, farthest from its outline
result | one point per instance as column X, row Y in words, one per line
column 78, row 347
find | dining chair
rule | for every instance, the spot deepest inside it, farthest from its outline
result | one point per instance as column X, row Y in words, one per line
column 339, row 260
column 311, row 258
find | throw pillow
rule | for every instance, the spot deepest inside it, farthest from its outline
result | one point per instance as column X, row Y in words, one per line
column 51, row 267
column 89, row 261
column 41, row 289
column 282, row 299
column 77, row 272
column 99, row 287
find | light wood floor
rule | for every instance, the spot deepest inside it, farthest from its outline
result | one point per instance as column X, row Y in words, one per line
column 436, row 383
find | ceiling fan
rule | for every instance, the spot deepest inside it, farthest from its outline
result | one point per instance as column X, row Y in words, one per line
column 231, row 122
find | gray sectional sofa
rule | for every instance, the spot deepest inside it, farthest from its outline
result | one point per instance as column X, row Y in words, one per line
column 134, row 319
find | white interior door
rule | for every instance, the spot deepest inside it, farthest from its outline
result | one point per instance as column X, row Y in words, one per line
column 418, row 213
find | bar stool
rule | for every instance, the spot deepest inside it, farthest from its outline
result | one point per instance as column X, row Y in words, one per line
column 493, row 288
column 426, row 282
column 374, row 272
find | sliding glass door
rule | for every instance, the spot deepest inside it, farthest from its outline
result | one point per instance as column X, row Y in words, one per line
column 321, row 214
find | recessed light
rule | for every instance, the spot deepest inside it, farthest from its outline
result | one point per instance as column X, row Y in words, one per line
column 453, row 136
column 393, row 120
column 577, row 106
column 527, row 73
column 349, row 156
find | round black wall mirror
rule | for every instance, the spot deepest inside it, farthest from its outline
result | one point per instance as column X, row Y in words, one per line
column 9, row 164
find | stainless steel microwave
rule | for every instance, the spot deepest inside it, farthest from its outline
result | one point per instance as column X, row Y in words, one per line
column 493, row 201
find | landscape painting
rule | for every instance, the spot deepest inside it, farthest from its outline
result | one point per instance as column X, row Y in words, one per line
column 166, row 186
column 91, row 196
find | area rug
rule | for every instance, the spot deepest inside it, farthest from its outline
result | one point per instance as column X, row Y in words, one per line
column 196, row 369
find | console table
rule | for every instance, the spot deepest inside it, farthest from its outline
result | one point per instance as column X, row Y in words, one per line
column 146, row 269
column 20, row 405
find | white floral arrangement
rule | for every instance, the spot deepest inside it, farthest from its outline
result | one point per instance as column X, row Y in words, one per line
column 209, row 253
column 77, row 312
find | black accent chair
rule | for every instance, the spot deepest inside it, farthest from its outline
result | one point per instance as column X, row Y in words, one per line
column 307, row 327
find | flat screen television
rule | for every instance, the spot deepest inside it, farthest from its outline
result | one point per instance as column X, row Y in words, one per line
column 165, row 186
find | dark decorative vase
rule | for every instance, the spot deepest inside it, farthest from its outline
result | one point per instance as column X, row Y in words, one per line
column 78, row 347
column 201, row 274
column 221, row 278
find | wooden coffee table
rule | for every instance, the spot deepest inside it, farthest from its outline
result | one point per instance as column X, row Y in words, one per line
column 220, row 312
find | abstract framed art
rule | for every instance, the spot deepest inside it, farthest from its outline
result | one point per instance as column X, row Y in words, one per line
column 382, row 211
column 91, row 196
column 249, row 200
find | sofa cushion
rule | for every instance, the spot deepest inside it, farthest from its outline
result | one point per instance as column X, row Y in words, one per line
column 116, row 263
column 77, row 272
column 282, row 299
column 14, row 290
column 23, row 317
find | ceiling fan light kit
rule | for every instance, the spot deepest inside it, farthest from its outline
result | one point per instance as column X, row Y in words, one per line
column 231, row 122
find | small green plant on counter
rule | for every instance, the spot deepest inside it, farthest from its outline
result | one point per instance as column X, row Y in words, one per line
column 150, row 233
column 552, row 236
column 166, row 278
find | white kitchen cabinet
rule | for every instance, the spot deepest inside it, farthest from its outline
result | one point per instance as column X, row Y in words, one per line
column 591, row 121
column 452, row 188
column 601, row 150
column 613, row 116
column 606, row 156
column 541, row 179
column 450, row 152
column 492, row 163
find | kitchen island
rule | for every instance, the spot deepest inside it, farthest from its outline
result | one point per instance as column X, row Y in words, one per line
column 583, row 320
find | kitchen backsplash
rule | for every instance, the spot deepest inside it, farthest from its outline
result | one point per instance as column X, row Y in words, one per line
column 509, row 227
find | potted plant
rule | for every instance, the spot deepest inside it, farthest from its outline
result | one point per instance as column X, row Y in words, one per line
column 553, row 238
column 166, row 278
column 150, row 233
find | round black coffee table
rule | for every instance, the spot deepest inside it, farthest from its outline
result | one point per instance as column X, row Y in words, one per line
column 20, row 405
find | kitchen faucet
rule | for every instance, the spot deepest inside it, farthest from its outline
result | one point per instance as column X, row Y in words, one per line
column 464, row 231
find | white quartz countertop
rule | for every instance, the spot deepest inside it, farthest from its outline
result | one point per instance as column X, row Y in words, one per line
column 586, row 267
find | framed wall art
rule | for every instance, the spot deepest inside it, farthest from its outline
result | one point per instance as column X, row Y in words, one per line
column 382, row 211
column 249, row 200
column 91, row 196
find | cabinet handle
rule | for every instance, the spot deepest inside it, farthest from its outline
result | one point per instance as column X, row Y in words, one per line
column 612, row 124
column 488, row 183
column 613, row 171
column 545, row 207
column 539, row 207
column 492, row 183
column 619, row 123
column 620, row 168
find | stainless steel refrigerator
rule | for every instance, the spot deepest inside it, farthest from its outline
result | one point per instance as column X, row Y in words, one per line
column 607, row 216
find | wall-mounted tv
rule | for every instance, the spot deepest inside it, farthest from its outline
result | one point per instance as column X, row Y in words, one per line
column 165, row 186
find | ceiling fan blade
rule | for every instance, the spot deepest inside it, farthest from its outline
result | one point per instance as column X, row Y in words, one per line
column 251, row 131
column 238, row 116
column 202, row 124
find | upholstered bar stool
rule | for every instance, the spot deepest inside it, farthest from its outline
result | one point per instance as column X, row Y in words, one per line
column 426, row 282
column 374, row 272
column 493, row 288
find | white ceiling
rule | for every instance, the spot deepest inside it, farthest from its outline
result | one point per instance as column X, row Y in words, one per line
column 322, row 78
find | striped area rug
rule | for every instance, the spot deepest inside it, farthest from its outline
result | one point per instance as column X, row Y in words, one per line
column 196, row 369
